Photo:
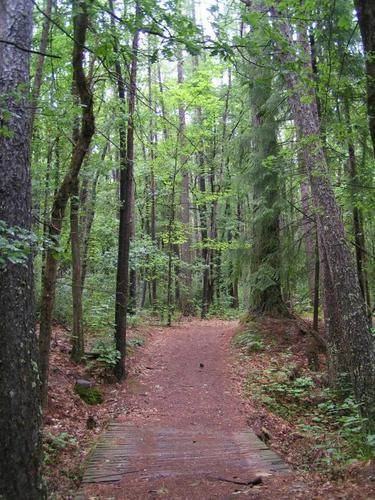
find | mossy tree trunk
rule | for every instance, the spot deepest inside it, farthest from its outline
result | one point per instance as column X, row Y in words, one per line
column 265, row 296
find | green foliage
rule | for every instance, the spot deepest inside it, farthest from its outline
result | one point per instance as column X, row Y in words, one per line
column 339, row 430
column 250, row 339
column 135, row 342
column 107, row 353
column 223, row 310
column 15, row 244
column 333, row 424
column 54, row 443
column 90, row 395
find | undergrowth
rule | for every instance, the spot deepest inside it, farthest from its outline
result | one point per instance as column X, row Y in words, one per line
column 250, row 340
column 331, row 422
column 54, row 443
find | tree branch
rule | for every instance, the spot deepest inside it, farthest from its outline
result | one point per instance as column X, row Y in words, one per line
column 30, row 51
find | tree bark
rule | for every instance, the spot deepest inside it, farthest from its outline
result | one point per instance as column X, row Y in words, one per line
column 366, row 18
column 80, row 149
column 185, row 249
column 20, row 416
column 126, row 190
column 354, row 344
column 47, row 9
column 90, row 206
column 153, row 138
column 358, row 229
column 204, row 241
column 77, row 338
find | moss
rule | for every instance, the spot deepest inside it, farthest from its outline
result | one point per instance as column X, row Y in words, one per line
column 90, row 395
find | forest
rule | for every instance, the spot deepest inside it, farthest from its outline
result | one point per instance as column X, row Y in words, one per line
column 187, row 190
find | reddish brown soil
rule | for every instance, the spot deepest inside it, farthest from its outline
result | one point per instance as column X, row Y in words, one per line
column 187, row 384
column 168, row 388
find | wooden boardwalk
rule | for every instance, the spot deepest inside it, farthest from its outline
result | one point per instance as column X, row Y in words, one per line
column 185, row 434
column 126, row 449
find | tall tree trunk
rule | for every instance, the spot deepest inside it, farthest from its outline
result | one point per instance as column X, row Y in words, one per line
column 312, row 267
column 354, row 343
column 162, row 105
column 153, row 138
column 47, row 9
column 186, row 304
column 358, row 229
column 171, row 247
column 366, row 19
column 80, row 149
column 90, row 206
column 126, row 190
column 132, row 303
column 78, row 343
column 309, row 234
column 20, row 417
column 266, row 295
column 204, row 240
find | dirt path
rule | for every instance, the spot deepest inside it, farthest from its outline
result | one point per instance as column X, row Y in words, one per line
column 184, row 435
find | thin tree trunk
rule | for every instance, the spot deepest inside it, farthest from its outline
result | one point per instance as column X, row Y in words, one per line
column 126, row 190
column 80, row 149
column 366, row 19
column 35, row 93
column 132, row 303
column 153, row 138
column 20, row 417
column 204, row 242
column 171, row 251
column 89, row 219
column 47, row 181
column 77, row 337
column 309, row 235
column 185, row 248
column 162, row 105
column 358, row 229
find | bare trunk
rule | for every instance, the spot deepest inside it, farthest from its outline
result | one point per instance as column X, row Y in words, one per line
column 366, row 19
column 204, row 242
column 185, row 249
column 171, row 250
column 309, row 235
column 132, row 302
column 88, row 222
column 153, row 138
column 77, row 337
column 47, row 9
column 126, row 191
column 358, row 229
column 162, row 105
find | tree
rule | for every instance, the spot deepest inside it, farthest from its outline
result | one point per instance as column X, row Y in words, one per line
column 366, row 19
column 266, row 251
column 185, row 248
column 20, row 457
column 126, row 195
column 352, row 343
column 66, row 189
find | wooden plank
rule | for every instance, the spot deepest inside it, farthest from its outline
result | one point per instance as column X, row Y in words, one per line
column 154, row 452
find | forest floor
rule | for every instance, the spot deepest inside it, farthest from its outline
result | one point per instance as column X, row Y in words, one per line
column 187, row 377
